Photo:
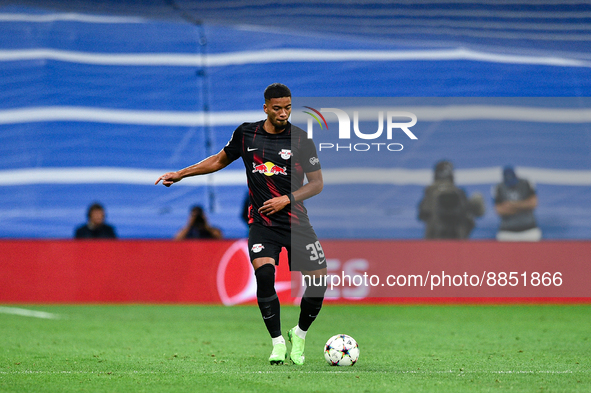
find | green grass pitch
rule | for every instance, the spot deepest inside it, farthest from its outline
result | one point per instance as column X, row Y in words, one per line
column 137, row 348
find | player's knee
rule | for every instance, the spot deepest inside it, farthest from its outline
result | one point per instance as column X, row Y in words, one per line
column 265, row 272
column 265, row 277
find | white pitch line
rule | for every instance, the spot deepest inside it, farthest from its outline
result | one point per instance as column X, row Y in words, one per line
column 288, row 370
column 28, row 313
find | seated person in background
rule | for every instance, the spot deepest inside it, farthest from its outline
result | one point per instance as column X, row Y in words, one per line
column 515, row 201
column 95, row 227
column 197, row 227
column 445, row 208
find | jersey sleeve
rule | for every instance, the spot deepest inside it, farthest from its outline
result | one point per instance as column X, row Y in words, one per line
column 310, row 161
column 233, row 148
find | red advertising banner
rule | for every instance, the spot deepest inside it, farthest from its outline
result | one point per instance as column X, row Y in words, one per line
column 218, row 271
column 465, row 269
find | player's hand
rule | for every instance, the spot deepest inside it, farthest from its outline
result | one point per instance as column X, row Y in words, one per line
column 168, row 179
column 274, row 205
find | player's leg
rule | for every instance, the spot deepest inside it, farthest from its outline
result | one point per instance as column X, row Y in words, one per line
column 310, row 307
column 310, row 260
column 269, row 305
column 313, row 297
column 264, row 253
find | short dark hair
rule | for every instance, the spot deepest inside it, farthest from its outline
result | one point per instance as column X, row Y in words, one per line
column 277, row 90
column 93, row 207
column 197, row 209
column 200, row 220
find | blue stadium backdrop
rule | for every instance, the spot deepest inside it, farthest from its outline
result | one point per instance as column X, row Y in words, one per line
column 98, row 99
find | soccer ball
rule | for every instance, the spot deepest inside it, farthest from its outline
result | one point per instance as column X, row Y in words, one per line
column 341, row 350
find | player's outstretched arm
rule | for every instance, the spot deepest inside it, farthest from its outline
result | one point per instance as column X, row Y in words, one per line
column 210, row 164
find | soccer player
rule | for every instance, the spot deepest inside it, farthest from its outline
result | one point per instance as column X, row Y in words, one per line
column 277, row 156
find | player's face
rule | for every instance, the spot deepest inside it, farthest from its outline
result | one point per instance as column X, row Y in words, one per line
column 97, row 217
column 278, row 111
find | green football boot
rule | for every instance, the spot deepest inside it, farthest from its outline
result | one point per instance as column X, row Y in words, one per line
column 297, row 348
column 279, row 354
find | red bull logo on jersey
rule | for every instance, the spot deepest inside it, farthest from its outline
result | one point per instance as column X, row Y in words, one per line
column 269, row 169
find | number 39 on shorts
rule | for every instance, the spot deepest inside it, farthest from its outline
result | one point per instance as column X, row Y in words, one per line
column 316, row 251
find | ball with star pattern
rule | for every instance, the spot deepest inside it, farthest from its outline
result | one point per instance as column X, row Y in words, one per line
column 341, row 350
